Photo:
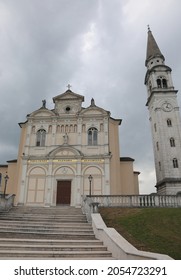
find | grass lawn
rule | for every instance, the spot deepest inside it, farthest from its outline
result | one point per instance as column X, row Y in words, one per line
column 152, row 229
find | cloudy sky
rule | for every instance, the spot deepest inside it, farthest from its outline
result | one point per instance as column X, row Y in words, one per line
column 99, row 47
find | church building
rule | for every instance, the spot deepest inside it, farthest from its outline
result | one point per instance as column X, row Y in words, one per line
column 67, row 152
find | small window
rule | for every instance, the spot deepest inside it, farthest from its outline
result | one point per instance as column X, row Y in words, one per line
column 75, row 128
column 158, row 83
column 150, row 86
column 40, row 138
column 175, row 163
column 92, row 136
column 157, row 146
column 71, row 128
column 58, row 128
column 67, row 109
column 155, row 127
column 164, row 82
column 50, row 129
column 66, row 128
column 160, row 166
column 172, row 142
column 161, row 82
column 62, row 129
column 169, row 122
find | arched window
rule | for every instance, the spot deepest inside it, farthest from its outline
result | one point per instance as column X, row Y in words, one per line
column 164, row 82
column 40, row 138
column 158, row 83
column 92, row 136
column 75, row 128
column 175, row 163
column 71, row 128
column 161, row 82
column 58, row 128
column 66, row 128
column 169, row 122
column 50, row 129
column 62, row 128
column 172, row 142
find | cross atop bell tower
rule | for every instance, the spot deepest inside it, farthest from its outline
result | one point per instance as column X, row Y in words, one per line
column 164, row 119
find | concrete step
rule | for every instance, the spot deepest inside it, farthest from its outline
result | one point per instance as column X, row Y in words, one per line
column 52, row 242
column 45, row 235
column 53, row 225
column 26, row 217
column 44, row 227
column 31, row 247
column 44, row 210
column 48, row 233
column 54, row 254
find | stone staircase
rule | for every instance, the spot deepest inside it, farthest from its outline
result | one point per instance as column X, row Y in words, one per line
column 48, row 233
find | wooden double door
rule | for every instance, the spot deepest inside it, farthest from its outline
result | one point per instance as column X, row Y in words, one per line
column 63, row 192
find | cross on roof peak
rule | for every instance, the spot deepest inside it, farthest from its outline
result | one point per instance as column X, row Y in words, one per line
column 69, row 86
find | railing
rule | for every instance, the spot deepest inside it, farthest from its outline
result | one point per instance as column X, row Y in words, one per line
column 137, row 200
column 6, row 202
column 90, row 203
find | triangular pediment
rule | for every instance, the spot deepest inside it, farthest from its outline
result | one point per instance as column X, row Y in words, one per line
column 94, row 110
column 68, row 95
column 42, row 112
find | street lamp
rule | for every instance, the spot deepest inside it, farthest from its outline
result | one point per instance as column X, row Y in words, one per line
column 6, row 178
column 90, row 183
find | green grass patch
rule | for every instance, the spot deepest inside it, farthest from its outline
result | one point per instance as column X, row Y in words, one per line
column 152, row 229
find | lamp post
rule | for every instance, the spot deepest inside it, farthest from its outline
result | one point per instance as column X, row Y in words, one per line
column 0, row 180
column 6, row 178
column 90, row 184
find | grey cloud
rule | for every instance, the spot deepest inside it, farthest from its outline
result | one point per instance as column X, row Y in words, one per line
column 43, row 49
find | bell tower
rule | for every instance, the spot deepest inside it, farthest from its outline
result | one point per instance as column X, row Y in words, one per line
column 164, row 119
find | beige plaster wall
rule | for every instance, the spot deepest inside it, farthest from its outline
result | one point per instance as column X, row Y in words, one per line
column 129, row 179
column 115, row 182
column 3, row 171
column 136, row 182
column 19, row 163
column 12, row 173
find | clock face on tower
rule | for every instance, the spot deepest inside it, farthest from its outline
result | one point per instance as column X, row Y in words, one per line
column 167, row 107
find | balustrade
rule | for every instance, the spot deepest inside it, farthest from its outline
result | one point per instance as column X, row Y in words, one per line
column 132, row 201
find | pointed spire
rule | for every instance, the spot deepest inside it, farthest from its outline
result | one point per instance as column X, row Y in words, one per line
column 152, row 47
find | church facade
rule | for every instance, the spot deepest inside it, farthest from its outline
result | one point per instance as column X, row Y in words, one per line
column 67, row 152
